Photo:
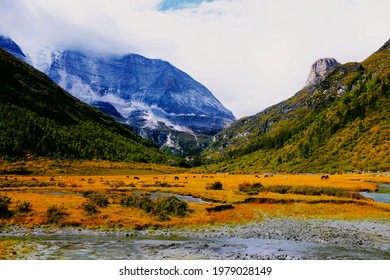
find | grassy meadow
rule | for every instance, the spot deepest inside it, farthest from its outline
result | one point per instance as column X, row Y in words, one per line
column 108, row 195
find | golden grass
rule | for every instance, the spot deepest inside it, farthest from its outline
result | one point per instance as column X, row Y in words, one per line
column 67, row 193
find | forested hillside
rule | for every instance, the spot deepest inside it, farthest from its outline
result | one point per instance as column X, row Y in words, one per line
column 38, row 118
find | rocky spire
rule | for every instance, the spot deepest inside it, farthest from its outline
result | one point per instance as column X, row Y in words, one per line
column 319, row 70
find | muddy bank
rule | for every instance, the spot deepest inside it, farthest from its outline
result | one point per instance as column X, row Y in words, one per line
column 269, row 239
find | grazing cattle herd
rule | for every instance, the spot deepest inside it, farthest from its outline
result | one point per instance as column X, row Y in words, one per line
column 177, row 178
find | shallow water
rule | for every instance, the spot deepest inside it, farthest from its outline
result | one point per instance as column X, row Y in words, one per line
column 382, row 195
column 84, row 247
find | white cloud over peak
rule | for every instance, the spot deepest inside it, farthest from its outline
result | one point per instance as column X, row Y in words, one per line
column 250, row 53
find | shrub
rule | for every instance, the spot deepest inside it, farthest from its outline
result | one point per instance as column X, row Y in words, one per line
column 281, row 189
column 95, row 200
column 313, row 191
column 171, row 206
column 163, row 185
column 96, row 197
column 162, row 207
column 217, row 186
column 254, row 189
column 55, row 214
column 90, row 207
column 129, row 200
column 178, row 186
column 143, row 202
column 249, row 189
column 23, row 207
column 5, row 201
column 88, row 193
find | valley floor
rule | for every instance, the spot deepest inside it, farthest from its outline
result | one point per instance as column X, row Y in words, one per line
column 249, row 210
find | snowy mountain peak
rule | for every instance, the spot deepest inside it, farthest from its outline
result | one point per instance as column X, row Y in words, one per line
column 133, row 83
column 10, row 46
column 149, row 95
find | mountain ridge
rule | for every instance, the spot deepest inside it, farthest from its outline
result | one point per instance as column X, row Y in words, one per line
column 384, row 47
column 322, row 128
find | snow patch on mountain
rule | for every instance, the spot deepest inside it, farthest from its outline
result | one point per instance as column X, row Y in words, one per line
column 41, row 59
column 152, row 114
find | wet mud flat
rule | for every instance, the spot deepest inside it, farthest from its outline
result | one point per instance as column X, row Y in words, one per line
column 269, row 239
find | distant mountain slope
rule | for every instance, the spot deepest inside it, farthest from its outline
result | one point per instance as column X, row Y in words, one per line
column 154, row 98
column 39, row 118
column 340, row 124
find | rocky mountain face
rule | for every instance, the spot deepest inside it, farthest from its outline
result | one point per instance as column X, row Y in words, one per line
column 339, row 124
column 151, row 96
column 319, row 69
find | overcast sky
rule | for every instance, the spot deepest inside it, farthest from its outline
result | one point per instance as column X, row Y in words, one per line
column 251, row 54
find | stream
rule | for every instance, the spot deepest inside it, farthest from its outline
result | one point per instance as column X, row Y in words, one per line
column 382, row 195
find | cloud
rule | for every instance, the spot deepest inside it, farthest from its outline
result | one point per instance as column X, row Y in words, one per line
column 250, row 53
